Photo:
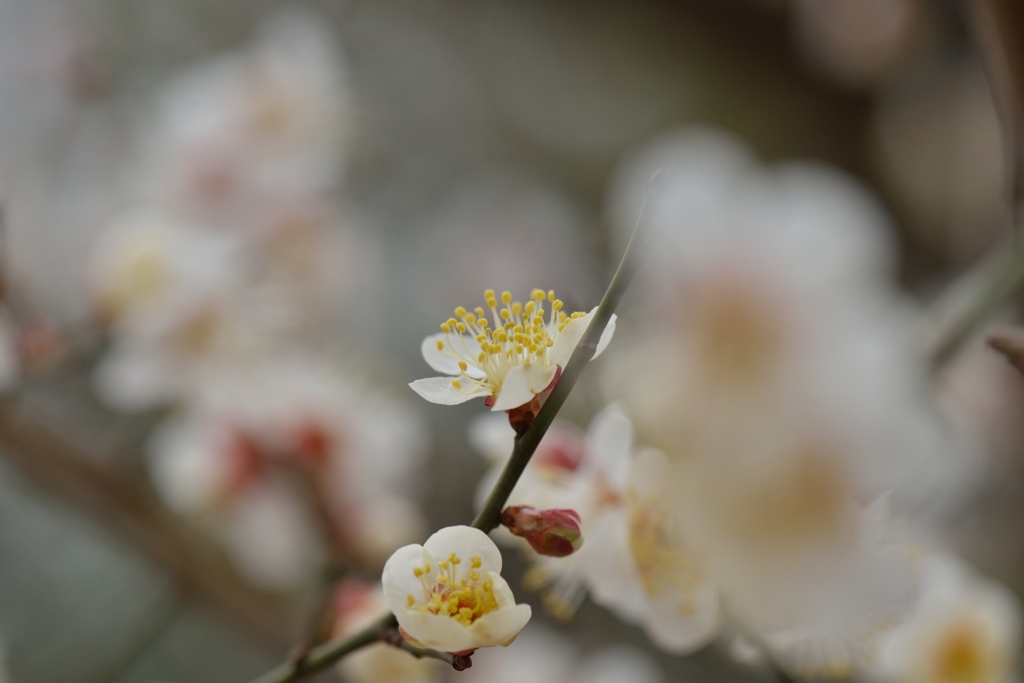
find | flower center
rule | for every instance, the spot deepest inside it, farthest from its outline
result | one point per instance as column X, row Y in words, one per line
column 961, row 657
column 463, row 599
column 661, row 563
column 738, row 333
column 520, row 335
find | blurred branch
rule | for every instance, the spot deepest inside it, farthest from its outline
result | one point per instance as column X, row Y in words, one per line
column 1010, row 343
column 998, row 31
column 386, row 629
column 998, row 28
column 971, row 301
column 36, row 449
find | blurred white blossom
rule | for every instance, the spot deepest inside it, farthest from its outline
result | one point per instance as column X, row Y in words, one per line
column 781, row 375
column 964, row 628
column 247, row 443
column 635, row 558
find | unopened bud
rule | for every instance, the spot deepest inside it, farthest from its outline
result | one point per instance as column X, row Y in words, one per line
column 555, row 533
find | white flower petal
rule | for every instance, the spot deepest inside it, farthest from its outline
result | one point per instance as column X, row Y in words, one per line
column 611, row 572
column 522, row 383
column 442, row 362
column 492, row 437
column 439, row 632
column 398, row 579
column 465, row 542
column 440, row 390
column 502, row 592
column 606, row 336
column 610, row 444
column 682, row 623
column 500, row 626
column 571, row 334
column 650, row 472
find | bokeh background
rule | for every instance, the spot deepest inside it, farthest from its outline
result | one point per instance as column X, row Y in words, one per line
column 447, row 147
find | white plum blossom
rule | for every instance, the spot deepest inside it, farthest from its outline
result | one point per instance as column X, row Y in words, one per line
column 964, row 629
column 635, row 559
column 643, row 566
column 509, row 364
column 240, row 445
column 448, row 594
column 781, row 376
column 148, row 258
column 251, row 127
column 772, row 293
column 176, row 299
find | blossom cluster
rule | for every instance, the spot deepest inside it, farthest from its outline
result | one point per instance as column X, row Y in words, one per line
column 221, row 280
column 789, row 461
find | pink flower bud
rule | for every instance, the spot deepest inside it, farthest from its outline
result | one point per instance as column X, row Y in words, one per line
column 555, row 533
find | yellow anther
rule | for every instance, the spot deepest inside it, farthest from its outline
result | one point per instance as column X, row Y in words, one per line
column 505, row 315
column 446, row 328
column 556, row 305
column 417, row 572
column 537, row 295
column 488, row 293
column 479, row 312
column 461, row 327
column 463, row 365
column 481, row 338
column 474, row 575
column 518, row 329
column 440, row 345
column 578, row 314
column 551, row 295
column 452, row 321
column 410, row 601
column 549, row 343
column 475, row 562
column 460, row 312
column 483, row 323
column 426, row 567
column 482, row 357
column 506, row 297
column 492, row 303
column 529, row 307
column 517, row 308
column 457, row 384
column 470, row 319
column 454, row 559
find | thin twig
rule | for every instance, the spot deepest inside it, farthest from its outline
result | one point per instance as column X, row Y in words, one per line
column 322, row 656
column 974, row 299
column 386, row 629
